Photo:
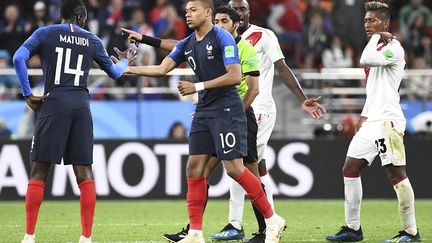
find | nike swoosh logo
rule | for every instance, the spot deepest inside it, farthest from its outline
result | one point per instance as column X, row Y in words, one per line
column 225, row 152
column 187, row 52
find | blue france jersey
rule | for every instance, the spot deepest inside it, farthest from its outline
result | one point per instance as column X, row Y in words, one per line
column 208, row 59
column 67, row 53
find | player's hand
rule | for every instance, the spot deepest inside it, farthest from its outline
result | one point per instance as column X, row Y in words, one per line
column 186, row 87
column 133, row 37
column 386, row 37
column 314, row 109
column 130, row 54
column 35, row 102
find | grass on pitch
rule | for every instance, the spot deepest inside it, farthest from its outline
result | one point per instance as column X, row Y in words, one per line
column 146, row 220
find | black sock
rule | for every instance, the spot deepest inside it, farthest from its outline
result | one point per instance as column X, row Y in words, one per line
column 259, row 217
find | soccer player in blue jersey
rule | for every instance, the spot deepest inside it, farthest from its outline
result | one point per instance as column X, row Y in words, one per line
column 64, row 126
column 219, row 124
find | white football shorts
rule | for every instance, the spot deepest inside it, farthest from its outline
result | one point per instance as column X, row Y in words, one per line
column 383, row 138
column 266, row 123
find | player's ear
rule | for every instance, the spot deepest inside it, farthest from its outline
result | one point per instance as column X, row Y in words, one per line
column 80, row 19
column 386, row 24
column 209, row 12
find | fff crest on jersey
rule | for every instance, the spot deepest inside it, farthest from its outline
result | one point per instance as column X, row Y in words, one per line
column 209, row 48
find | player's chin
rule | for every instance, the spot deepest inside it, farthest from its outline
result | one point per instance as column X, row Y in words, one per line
column 191, row 25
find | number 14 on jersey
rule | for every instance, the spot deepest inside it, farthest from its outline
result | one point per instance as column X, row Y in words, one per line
column 77, row 72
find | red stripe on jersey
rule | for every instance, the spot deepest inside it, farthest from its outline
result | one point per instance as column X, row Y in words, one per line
column 367, row 69
column 72, row 28
column 254, row 38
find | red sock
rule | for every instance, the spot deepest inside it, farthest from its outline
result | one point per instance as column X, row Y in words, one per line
column 196, row 200
column 87, row 204
column 255, row 192
column 34, row 197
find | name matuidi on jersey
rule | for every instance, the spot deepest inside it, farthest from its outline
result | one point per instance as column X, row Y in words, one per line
column 74, row 40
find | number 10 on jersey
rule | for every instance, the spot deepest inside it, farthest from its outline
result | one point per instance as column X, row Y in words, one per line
column 77, row 72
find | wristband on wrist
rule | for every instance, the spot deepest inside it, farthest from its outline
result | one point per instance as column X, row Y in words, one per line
column 199, row 86
column 151, row 41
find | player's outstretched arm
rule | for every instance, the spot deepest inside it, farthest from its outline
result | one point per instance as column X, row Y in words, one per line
column 167, row 65
column 232, row 77
column 312, row 106
column 115, row 70
column 135, row 37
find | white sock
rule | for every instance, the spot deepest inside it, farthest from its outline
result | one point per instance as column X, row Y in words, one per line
column 195, row 232
column 405, row 195
column 29, row 236
column 353, row 197
column 236, row 204
column 268, row 188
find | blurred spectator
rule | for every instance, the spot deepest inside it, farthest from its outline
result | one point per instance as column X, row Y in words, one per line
column 177, row 131
column 348, row 18
column 348, row 126
column 40, row 17
column 417, row 30
column 110, row 29
column 260, row 11
column 313, row 7
column 314, row 40
column 408, row 13
column 8, row 83
column 337, row 55
column 13, row 29
column 131, row 5
column 94, row 16
column 146, row 53
column 166, row 22
column 286, row 20
column 424, row 51
column 5, row 132
column 54, row 11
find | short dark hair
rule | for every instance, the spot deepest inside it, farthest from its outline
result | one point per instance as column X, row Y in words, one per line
column 232, row 13
column 382, row 8
column 72, row 8
column 205, row 3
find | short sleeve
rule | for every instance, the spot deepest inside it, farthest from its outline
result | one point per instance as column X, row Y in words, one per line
column 272, row 48
column 177, row 53
column 228, row 47
column 249, row 59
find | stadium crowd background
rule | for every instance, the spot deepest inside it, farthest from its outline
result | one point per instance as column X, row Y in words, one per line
column 313, row 34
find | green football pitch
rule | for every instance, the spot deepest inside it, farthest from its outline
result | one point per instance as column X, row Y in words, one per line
column 147, row 220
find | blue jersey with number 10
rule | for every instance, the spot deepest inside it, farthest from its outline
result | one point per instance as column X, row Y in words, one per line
column 67, row 53
column 208, row 58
